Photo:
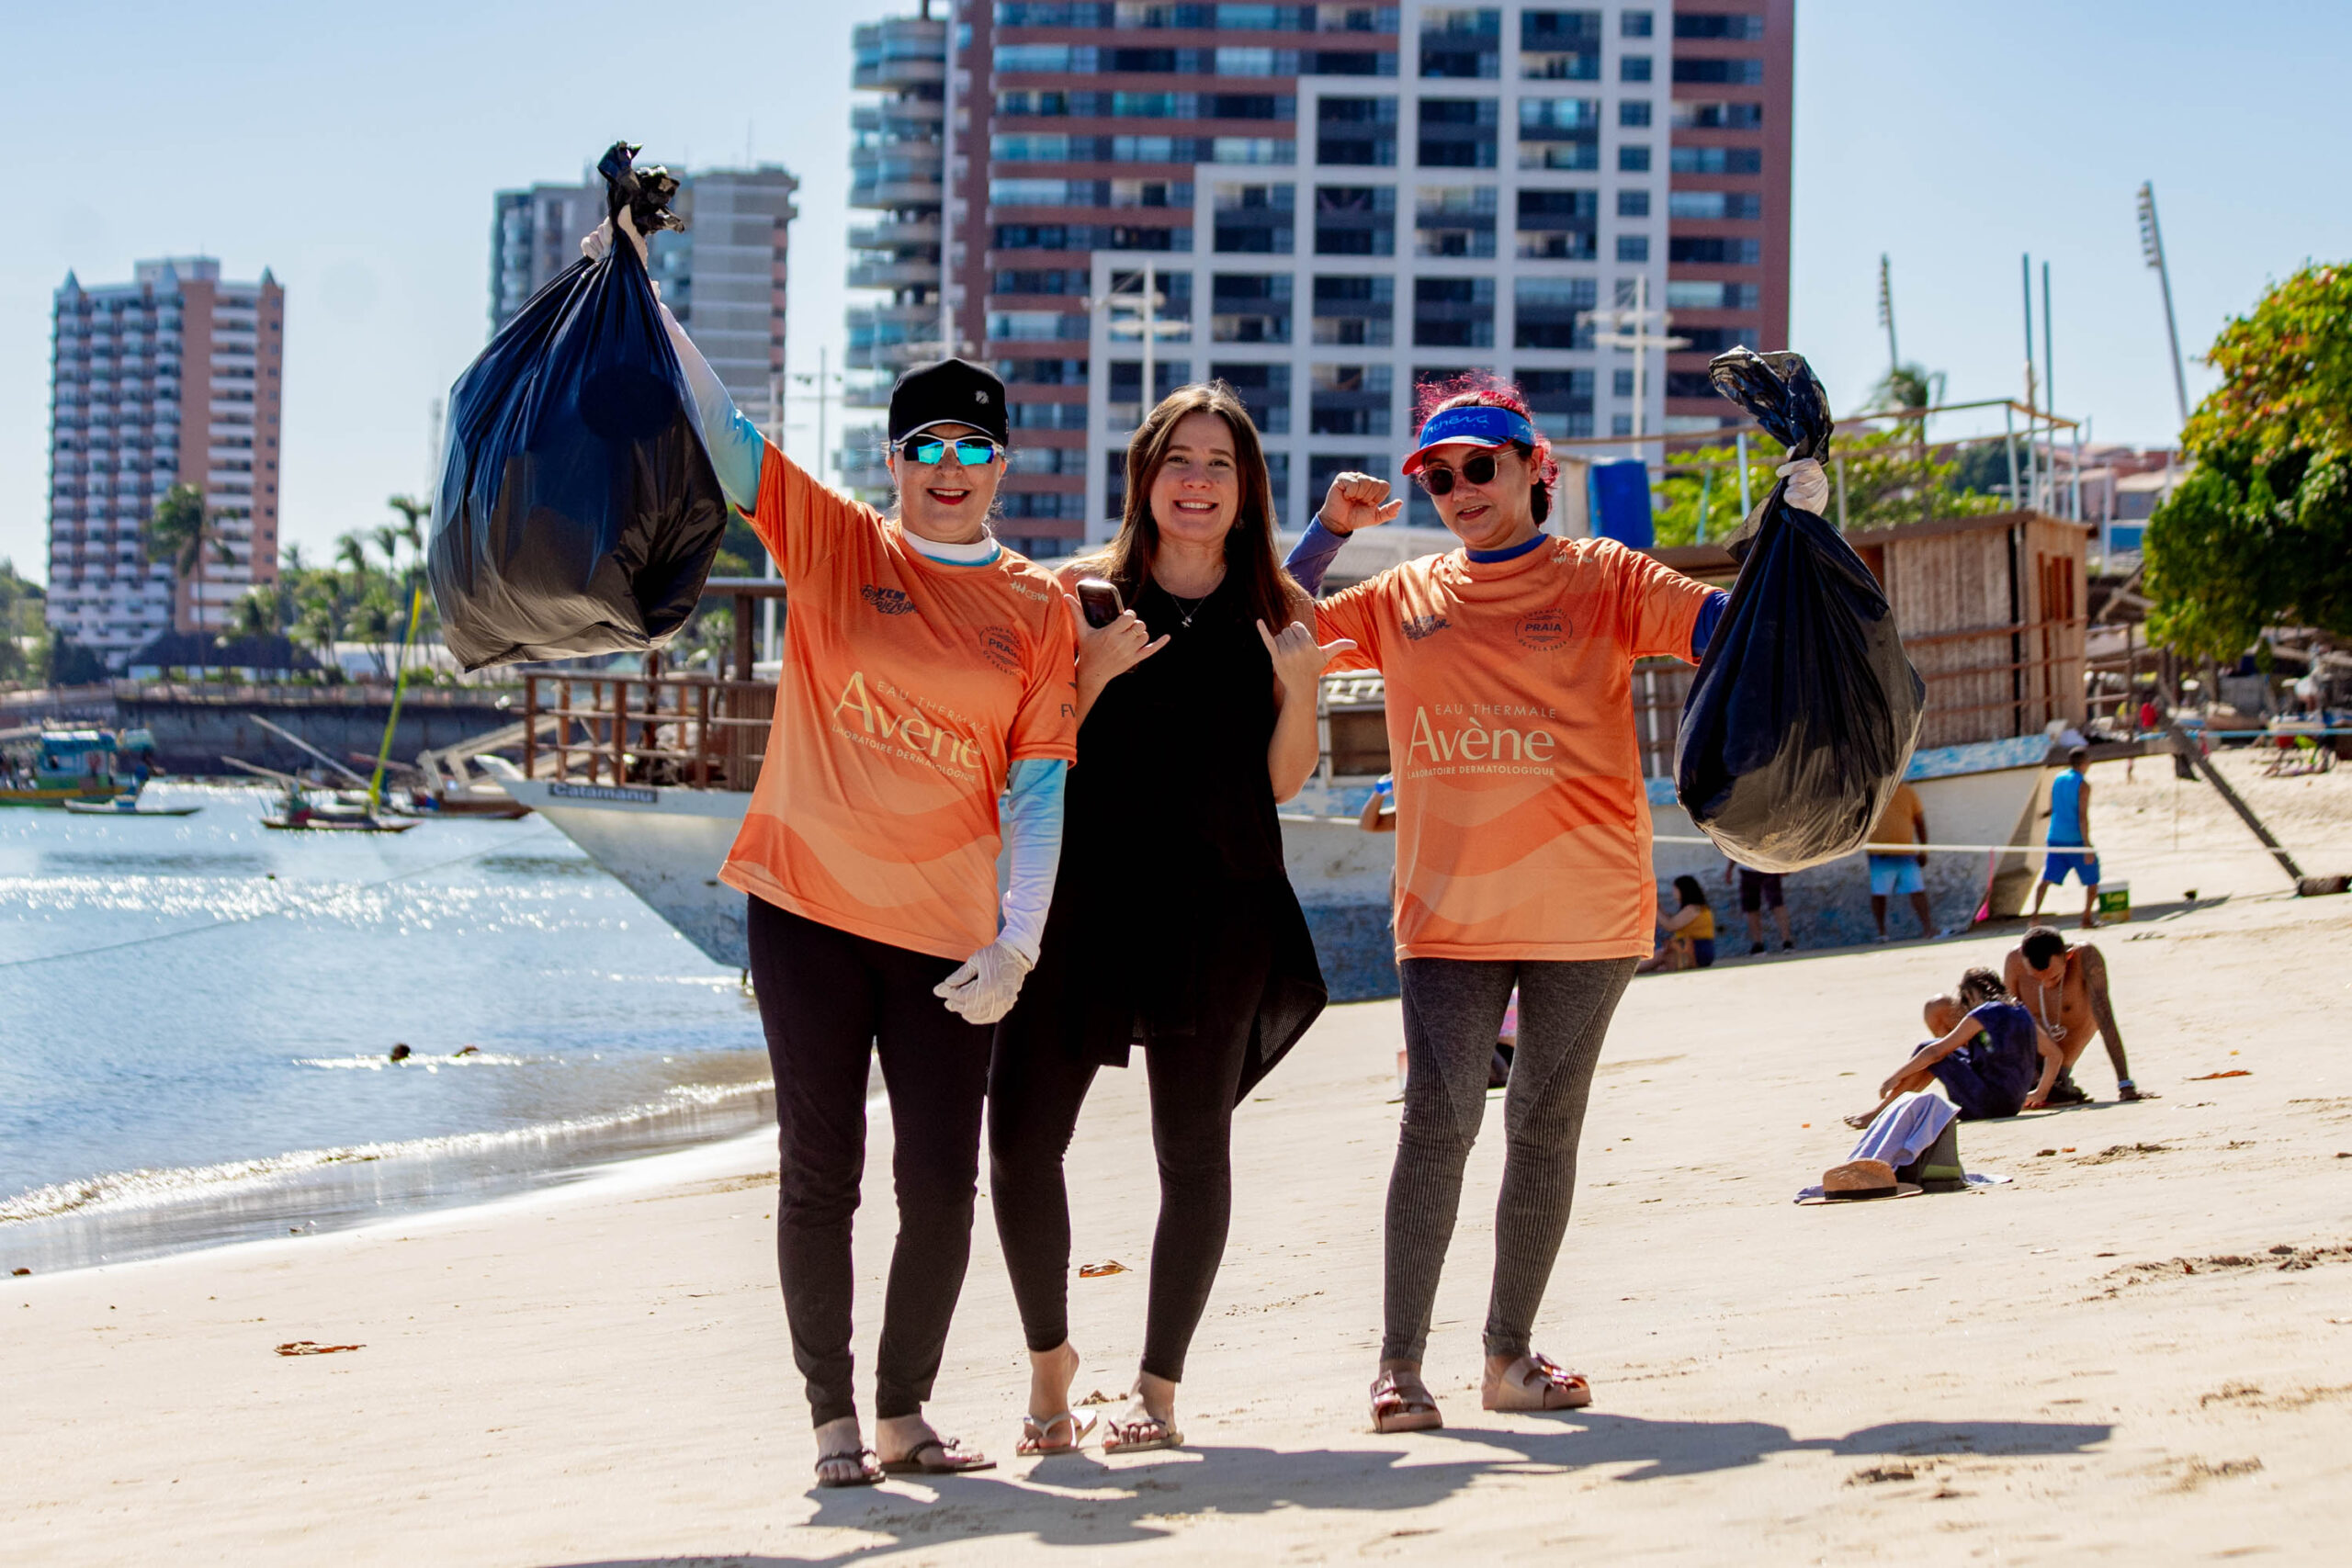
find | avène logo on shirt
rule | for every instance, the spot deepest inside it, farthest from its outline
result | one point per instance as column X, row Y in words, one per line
column 871, row 716
column 889, row 601
column 1459, row 736
column 1419, row 626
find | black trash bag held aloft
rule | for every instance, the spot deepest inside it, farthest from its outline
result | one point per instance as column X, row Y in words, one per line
column 1802, row 720
column 578, row 512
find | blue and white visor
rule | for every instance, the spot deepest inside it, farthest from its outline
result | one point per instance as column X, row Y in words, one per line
column 1472, row 427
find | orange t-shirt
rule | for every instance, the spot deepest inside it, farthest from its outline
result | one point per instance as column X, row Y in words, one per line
column 909, row 689
column 1521, row 825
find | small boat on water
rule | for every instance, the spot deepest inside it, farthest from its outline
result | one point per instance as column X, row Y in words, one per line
column 44, row 766
column 126, row 805
column 314, row 809
column 301, row 814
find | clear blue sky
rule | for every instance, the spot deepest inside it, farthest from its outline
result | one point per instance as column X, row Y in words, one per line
column 353, row 151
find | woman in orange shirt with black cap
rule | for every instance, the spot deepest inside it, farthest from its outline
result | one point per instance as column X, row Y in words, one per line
column 927, row 672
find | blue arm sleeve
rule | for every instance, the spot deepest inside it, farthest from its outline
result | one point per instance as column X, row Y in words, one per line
column 1311, row 557
column 1703, row 632
column 1033, row 832
column 735, row 443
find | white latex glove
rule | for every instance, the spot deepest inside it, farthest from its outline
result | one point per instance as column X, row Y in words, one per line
column 1808, row 485
column 984, row 987
column 597, row 240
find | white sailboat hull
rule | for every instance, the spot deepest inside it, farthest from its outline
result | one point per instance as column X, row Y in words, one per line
column 666, row 846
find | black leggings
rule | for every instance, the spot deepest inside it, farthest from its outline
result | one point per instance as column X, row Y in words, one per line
column 1035, row 1088
column 829, row 1001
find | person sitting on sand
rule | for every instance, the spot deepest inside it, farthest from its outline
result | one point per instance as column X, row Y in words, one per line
column 1688, row 940
column 2066, row 986
column 1984, row 1055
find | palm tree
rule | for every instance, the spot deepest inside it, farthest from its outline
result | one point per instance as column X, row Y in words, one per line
column 413, row 516
column 351, row 549
column 256, row 615
column 1907, row 387
column 317, row 616
column 178, row 530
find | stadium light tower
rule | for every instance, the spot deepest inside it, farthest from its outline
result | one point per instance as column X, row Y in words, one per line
column 2151, row 247
column 1886, row 311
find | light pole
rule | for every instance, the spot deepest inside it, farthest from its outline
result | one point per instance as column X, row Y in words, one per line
column 1886, row 317
column 1630, row 329
column 2152, row 248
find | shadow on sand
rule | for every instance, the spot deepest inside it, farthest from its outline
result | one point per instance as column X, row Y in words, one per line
column 1079, row 1502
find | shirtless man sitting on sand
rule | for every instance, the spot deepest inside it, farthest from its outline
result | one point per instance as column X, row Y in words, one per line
column 2066, row 989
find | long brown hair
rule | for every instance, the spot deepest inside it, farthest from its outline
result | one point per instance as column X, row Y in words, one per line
column 1248, row 543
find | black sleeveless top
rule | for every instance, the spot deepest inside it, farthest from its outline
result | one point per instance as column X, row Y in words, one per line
column 1170, row 838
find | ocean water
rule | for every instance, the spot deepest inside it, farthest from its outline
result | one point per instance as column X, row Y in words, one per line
column 197, row 1016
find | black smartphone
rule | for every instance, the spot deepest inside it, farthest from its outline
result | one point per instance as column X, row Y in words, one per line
column 1100, row 600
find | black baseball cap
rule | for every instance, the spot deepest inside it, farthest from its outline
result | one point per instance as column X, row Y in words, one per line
column 952, row 391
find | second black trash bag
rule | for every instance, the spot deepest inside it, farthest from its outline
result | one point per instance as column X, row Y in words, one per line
column 1802, row 720
column 578, row 512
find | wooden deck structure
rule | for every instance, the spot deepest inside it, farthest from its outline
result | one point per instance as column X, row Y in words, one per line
column 709, row 731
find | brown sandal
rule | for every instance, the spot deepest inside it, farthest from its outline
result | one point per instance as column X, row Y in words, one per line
column 937, row 1456
column 1401, row 1403
column 1549, row 1385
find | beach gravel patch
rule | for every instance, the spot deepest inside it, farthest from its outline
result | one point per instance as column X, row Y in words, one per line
column 1878, row 1474
column 2123, row 1151
column 2197, row 1472
column 2284, row 1258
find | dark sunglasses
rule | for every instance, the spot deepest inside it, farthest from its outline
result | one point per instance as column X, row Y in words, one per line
column 972, row 451
column 1478, row 470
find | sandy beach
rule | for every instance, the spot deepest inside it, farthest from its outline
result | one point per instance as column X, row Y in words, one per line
column 2138, row 1350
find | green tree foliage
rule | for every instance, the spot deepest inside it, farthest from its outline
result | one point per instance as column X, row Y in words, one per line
column 22, row 624
column 2286, row 371
column 2243, row 544
column 1891, row 476
column 2260, row 532
column 364, row 597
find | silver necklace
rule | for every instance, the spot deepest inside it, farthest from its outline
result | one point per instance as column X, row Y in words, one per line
column 2042, row 1003
column 1187, row 608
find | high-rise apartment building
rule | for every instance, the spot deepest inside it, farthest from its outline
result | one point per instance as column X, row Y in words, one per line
column 1335, row 201
column 173, row 378
column 898, row 164
column 723, row 276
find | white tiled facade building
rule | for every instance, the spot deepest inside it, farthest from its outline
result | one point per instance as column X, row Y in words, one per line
column 175, row 377
column 1338, row 200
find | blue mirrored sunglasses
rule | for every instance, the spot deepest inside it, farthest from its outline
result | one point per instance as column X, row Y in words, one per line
column 972, row 451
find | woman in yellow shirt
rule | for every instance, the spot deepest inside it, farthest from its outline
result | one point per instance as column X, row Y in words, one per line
column 1689, row 932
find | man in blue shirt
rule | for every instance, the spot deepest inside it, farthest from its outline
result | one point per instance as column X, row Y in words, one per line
column 2070, row 829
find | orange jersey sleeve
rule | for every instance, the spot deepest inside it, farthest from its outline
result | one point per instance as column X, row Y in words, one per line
column 1658, row 606
column 1354, row 614
column 799, row 520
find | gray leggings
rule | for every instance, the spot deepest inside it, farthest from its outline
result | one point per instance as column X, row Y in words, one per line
column 1453, row 1008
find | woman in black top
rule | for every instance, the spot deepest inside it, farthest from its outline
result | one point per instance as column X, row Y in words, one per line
column 1173, row 925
